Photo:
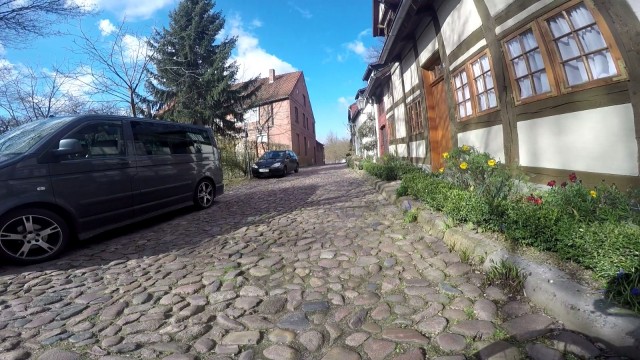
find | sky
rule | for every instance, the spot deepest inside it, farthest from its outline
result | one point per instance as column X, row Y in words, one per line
column 327, row 40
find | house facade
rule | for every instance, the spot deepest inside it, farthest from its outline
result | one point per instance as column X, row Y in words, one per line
column 550, row 85
column 361, row 113
column 281, row 117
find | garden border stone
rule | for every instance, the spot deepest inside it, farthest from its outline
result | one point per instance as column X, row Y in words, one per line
column 580, row 308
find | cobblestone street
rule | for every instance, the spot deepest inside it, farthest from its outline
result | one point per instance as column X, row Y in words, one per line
column 316, row 265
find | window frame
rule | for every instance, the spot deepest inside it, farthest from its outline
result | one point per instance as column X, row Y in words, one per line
column 415, row 123
column 553, row 60
column 467, row 68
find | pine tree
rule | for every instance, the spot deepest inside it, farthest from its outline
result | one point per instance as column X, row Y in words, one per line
column 193, row 80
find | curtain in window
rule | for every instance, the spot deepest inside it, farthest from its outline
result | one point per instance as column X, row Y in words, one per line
column 580, row 44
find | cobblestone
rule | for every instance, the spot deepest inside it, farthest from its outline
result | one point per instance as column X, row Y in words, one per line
column 316, row 265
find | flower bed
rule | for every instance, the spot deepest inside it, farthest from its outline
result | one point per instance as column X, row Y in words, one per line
column 594, row 227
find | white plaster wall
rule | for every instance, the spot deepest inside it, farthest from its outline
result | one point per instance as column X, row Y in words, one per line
column 396, row 84
column 487, row 140
column 600, row 140
column 401, row 131
column 519, row 17
column 410, row 73
column 418, row 148
column 393, row 150
column 459, row 24
column 402, row 150
column 468, row 54
column 427, row 44
column 496, row 6
column 635, row 6
column 388, row 99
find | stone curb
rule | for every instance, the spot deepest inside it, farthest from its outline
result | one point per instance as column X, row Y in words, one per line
column 580, row 308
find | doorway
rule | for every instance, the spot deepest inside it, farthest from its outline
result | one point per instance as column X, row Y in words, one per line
column 437, row 113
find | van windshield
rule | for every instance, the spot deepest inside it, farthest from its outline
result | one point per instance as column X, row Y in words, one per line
column 24, row 137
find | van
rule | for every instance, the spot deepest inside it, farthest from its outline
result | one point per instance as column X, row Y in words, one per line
column 71, row 177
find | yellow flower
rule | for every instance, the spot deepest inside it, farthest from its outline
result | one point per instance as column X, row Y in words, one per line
column 465, row 147
column 441, row 170
column 463, row 165
column 491, row 163
column 445, row 155
column 593, row 193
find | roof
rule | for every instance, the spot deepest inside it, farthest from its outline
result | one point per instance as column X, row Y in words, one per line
column 280, row 89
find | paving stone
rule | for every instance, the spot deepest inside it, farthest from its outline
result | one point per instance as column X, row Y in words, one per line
column 541, row 352
column 356, row 339
column 57, row 354
column 415, row 354
column 334, row 332
column 485, row 310
column 404, row 335
column 381, row 312
column 204, row 345
column 432, row 326
column 169, row 347
column 272, row 305
column 281, row 336
column 528, row 326
column 340, row 353
column 499, row 350
column 568, row 342
column 515, row 309
column 358, row 318
column 281, row 352
column 295, row 321
column 378, row 349
column 311, row 340
column 112, row 312
column 315, row 306
column 450, row 342
column 246, row 303
column 241, row 338
column 180, row 357
column 477, row 329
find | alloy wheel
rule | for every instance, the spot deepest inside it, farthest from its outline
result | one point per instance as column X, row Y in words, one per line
column 31, row 237
column 205, row 194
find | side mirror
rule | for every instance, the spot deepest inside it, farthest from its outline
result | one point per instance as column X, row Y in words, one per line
column 68, row 147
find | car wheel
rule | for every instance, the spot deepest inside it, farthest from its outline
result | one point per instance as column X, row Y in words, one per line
column 297, row 168
column 204, row 194
column 30, row 236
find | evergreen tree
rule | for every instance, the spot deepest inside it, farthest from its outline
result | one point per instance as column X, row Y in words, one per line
column 193, row 80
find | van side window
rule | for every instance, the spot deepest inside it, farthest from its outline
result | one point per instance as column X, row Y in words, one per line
column 162, row 139
column 99, row 140
column 201, row 139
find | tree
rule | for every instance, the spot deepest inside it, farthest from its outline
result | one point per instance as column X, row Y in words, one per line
column 367, row 136
column 21, row 19
column 193, row 80
column 117, row 70
column 335, row 148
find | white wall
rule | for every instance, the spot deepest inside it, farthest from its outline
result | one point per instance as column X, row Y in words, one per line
column 418, row 148
column 635, row 5
column 487, row 140
column 396, row 83
column 409, row 71
column 427, row 44
column 398, row 115
column 496, row 6
column 600, row 140
column 521, row 16
column 402, row 150
column 459, row 24
column 393, row 150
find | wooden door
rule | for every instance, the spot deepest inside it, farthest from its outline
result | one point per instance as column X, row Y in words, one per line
column 437, row 114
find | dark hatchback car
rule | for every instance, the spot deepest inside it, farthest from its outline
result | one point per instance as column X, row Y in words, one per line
column 276, row 162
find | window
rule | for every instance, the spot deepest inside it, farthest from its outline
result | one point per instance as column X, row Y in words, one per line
column 566, row 50
column 169, row 139
column 415, row 116
column 296, row 111
column 262, row 138
column 298, row 137
column 474, row 88
column 252, row 115
column 305, row 146
column 304, row 101
column 99, row 140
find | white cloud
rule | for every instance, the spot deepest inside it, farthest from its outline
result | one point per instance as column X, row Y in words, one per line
column 106, row 27
column 131, row 9
column 357, row 46
column 343, row 102
column 77, row 84
column 304, row 12
column 256, row 23
column 135, row 48
column 253, row 60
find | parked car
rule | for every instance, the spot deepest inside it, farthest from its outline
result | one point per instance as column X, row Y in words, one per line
column 73, row 177
column 276, row 162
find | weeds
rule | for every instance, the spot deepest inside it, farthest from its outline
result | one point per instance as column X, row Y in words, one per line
column 507, row 276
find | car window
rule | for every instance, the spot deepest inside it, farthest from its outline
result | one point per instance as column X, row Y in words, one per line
column 168, row 139
column 100, row 139
column 23, row 138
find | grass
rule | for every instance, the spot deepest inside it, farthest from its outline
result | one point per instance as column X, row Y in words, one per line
column 507, row 276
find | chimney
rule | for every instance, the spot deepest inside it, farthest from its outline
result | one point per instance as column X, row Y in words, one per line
column 272, row 75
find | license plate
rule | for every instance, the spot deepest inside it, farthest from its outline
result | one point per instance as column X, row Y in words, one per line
column 263, row 170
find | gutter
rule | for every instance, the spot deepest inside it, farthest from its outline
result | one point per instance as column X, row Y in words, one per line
column 402, row 13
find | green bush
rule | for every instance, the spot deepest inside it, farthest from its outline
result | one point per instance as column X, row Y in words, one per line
column 390, row 168
column 466, row 206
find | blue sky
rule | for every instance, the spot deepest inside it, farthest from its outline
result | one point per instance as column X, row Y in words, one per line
column 327, row 40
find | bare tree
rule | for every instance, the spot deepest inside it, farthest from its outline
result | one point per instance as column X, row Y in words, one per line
column 118, row 70
column 375, row 51
column 335, row 148
column 23, row 19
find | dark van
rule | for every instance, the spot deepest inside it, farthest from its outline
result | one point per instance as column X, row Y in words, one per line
column 75, row 176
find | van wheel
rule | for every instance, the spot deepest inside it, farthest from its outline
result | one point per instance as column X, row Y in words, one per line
column 29, row 236
column 296, row 169
column 204, row 194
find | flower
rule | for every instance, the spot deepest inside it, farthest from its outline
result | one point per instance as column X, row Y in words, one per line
column 465, row 147
column 491, row 162
column 445, row 155
column 551, row 183
column 573, row 177
column 464, row 165
column 593, row 193
column 564, row 184
column 635, row 292
column 441, row 170
column 534, row 200
column 619, row 274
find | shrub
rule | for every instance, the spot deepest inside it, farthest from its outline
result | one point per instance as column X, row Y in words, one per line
column 390, row 168
column 465, row 206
